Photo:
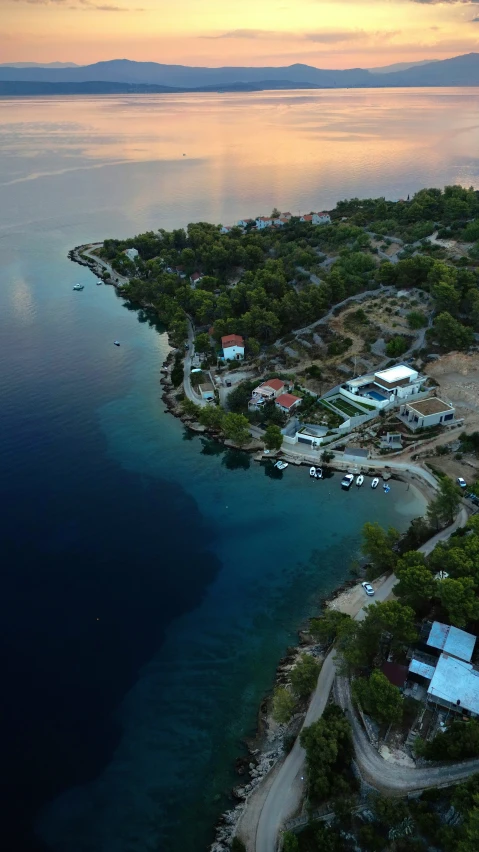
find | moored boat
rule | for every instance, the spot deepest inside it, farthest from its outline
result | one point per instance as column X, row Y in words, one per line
column 375, row 482
column 386, row 488
column 116, row 342
column 78, row 286
column 347, row 481
column 319, row 473
column 281, row 465
column 312, row 471
column 360, row 480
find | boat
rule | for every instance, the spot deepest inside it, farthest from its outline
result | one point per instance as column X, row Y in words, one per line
column 281, row 465
column 347, row 481
column 79, row 287
column 386, row 488
column 312, row 471
column 375, row 482
column 116, row 342
column 99, row 281
column 359, row 480
column 319, row 473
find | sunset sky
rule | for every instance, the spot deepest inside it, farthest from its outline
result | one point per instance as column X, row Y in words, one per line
column 339, row 34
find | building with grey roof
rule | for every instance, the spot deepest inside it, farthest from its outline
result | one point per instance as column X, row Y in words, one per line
column 455, row 685
column 451, row 640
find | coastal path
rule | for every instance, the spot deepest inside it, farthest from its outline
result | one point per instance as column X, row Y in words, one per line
column 189, row 392
column 115, row 276
column 284, row 795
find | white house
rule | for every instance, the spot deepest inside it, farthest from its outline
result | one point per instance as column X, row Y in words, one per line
column 233, row 347
column 263, row 222
column 242, row 223
column 287, row 402
column 267, row 392
column 378, row 389
column 316, row 218
column 132, row 253
column 195, row 278
column 225, row 229
column 283, row 220
column 207, row 390
column 426, row 412
column 321, row 219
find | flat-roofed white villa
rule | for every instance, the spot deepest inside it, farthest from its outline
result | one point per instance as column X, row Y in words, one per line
column 378, row 389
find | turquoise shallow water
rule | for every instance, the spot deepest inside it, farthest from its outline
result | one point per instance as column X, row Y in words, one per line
column 151, row 581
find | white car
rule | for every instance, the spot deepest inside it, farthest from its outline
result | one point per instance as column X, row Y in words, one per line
column 461, row 482
column 368, row 589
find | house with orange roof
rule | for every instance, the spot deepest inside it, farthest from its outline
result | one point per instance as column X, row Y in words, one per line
column 233, row 347
column 263, row 222
column 267, row 392
column 288, row 402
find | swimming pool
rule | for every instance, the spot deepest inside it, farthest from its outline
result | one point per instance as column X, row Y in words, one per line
column 376, row 395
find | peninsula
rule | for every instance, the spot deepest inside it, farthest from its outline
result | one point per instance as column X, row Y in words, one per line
column 347, row 337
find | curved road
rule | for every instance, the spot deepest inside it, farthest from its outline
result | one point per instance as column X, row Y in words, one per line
column 286, row 791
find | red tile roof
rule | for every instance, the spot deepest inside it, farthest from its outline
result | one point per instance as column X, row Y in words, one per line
column 196, row 276
column 396, row 673
column 275, row 384
column 287, row 400
column 231, row 340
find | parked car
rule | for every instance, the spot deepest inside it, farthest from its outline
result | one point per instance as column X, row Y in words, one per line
column 368, row 589
column 461, row 482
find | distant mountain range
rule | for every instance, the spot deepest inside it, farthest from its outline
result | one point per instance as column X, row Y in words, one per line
column 123, row 75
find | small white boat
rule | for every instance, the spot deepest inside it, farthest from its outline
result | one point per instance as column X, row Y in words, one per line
column 347, row 480
column 386, row 488
column 79, row 287
column 99, row 281
column 312, row 471
column 360, row 480
column 116, row 342
column 281, row 465
column 375, row 482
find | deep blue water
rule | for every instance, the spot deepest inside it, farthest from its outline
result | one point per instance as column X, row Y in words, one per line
column 150, row 580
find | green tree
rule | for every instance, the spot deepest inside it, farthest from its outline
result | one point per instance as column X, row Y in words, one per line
column 377, row 545
column 273, row 437
column 236, row 428
column 329, row 749
column 304, row 676
column 444, row 507
column 416, row 583
column 211, row 416
column 329, row 626
column 191, row 408
column 396, row 346
column 237, row 845
column 459, row 598
column 379, row 698
column 458, row 742
column 290, row 842
column 416, row 319
column 450, row 333
column 283, row 705
column 469, row 841
column 203, row 343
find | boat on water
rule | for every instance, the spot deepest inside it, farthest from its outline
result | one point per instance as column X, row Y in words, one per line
column 312, row 471
column 386, row 488
column 99, row 281
column 116, row 342
column 78, row 286
column 375, row 482
column 281, row 465
column 359, row 480
column 319, row 473
column 347, row 481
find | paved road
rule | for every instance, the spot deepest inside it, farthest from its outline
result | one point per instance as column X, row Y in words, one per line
column 286, row 792
column 393, row 779
column 189, row 392
column 114, row 275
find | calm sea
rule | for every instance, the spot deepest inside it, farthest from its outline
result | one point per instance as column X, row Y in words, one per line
column 151, row 581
